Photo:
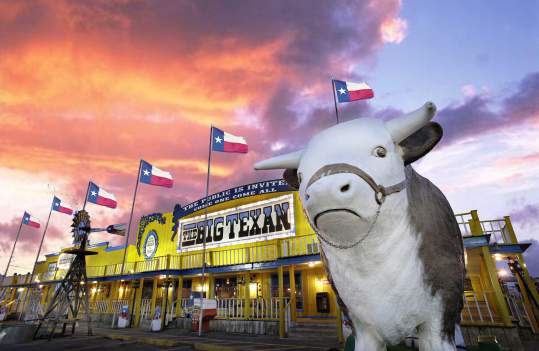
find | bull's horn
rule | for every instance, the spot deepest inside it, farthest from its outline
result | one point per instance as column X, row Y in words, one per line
column 402, row 127
column 290, row 160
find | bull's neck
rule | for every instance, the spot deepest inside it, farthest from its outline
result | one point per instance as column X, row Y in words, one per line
column 388, row 236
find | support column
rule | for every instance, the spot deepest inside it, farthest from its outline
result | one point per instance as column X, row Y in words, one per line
column 211, row 286
column 179, row 297
column 501, row 305
column 154, row 296
column 164, row 302
column 340, row 334
column 112, row 294
column 282, row 329
column 514, row 240
column 291, row 274
column 246, row 296
column 138, row 303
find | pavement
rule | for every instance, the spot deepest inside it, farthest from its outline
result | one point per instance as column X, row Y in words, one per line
column 173, row 339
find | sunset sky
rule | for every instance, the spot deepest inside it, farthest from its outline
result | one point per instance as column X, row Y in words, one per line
column 88, row 88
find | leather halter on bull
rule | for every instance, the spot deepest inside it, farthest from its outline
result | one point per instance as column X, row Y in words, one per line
column 380, row 193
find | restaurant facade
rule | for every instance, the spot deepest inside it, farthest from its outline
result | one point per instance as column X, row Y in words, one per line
column 263, row 269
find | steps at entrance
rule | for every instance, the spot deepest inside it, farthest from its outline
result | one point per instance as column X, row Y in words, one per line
column 310, row 329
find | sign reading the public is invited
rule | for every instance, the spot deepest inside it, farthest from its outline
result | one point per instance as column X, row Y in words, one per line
column 262, row 220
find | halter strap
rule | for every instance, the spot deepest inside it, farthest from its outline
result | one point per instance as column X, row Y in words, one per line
column 380, row 191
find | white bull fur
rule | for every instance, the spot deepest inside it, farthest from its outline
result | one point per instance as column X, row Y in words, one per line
column 385, row 282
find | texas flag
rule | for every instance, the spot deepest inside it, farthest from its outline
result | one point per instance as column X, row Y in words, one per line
column 348, row 91
column 99, row 196
column 60, row 206
column 225, row 142
column 30, row 220
column 152, row 175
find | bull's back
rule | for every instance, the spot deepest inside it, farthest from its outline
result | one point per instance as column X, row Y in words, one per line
column 441, row 249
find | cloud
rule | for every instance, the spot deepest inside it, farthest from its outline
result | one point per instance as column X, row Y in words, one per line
column 531, row 256
column 477, row 114
column 394, row 30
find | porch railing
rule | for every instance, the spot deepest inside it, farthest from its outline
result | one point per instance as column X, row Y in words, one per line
column 260, row 308
column 477, row 309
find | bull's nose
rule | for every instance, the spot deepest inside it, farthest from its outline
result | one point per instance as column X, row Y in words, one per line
column 330, row 189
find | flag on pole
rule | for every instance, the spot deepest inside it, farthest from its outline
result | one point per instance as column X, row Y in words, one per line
column 226, row 142
column 348, row 91
column 99, row 196
column 60, row 206
column 30, row 220
column 154, row 176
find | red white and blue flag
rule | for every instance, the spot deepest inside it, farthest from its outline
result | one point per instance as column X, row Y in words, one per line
column 348, row 91
column 154, row 176
column 60, row 206
column 99, row 196
column 30, row 220
column 226, row 142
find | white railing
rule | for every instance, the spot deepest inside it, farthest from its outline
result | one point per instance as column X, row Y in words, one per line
column 519, row 313
column 231, row 308
column 497, row 230
column 260, row 308
column 100, row 306
column 476, row 309
column 117, row 305
column 171, row 312
column 463, row 220
column 145, row 307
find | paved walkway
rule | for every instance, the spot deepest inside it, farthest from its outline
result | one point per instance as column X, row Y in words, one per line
column 171, row 338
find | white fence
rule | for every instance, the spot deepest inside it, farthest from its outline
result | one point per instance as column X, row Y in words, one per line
column 476, row 309
column 234, row 308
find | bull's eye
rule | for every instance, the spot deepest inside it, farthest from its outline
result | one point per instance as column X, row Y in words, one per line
column 380, row 151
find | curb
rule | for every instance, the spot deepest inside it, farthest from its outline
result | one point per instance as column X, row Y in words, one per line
column 212, row 347
column 167, row 342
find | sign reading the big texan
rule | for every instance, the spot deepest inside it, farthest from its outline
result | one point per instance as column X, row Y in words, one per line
column 262, row 220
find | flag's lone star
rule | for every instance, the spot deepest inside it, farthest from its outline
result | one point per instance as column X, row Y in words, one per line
column 27, row 218
column 146, row 172
column 94, row 193
column 56, row 204
column 218, row 140
column 342, row 91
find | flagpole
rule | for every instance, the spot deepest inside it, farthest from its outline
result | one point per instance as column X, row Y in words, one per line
column 335, row 100
column 131, row 217
column 12, row 251
column 86, row 198
column 37, row 257
column 206, row 229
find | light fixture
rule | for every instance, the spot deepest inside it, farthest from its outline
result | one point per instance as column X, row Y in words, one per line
column 311, row 264
column 498, row 257
column 502, row 273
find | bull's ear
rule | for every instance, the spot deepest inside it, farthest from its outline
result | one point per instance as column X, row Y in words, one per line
column 421, row 142
column 291, row 177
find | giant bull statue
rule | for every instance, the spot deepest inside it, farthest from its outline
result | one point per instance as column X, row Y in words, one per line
column 390, row 242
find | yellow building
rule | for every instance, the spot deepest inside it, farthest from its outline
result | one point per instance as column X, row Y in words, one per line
column 262, row 265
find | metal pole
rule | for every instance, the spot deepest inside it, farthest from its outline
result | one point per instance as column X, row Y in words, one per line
column 205, row 234
column 335, row 99
column 12, row 251
column 86, row 198
column 37, row 258
column 131, row 217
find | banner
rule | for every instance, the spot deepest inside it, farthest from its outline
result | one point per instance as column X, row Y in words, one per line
column 262, row 220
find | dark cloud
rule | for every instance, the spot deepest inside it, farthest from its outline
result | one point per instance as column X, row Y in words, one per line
column 531, row 256
column 477, row 115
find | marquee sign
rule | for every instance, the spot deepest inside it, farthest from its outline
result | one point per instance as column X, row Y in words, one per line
column 262, row 220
